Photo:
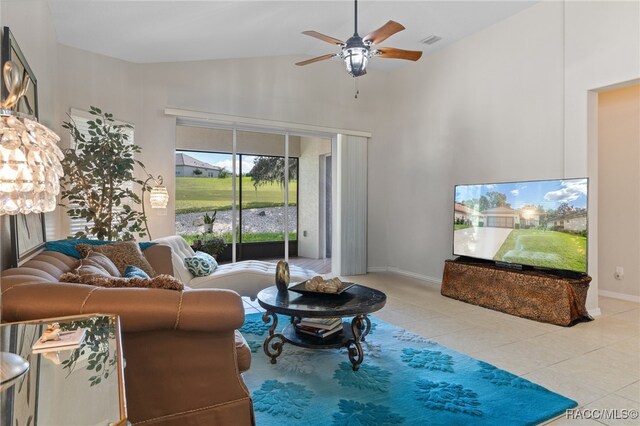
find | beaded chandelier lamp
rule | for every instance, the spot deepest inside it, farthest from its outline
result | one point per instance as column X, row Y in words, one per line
column 30, row 168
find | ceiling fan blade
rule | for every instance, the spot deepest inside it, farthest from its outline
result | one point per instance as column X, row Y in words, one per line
column 383, row 33
column 317, row 59
column 393, row 53
column 323, row 37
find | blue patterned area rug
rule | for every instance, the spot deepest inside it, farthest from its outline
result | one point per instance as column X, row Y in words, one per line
column 405, row 379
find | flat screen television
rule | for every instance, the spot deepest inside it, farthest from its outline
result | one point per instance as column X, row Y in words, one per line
column 541, row 224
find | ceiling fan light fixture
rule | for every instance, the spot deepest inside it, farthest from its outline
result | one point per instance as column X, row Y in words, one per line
column 356, row 60
column 357, row 50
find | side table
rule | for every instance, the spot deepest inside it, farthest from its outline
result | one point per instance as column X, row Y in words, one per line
column 78, row 386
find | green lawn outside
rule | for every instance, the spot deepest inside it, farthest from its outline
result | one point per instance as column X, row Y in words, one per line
column 247, row 238
column 206, row 194
column 529, row 246
column 459, row 226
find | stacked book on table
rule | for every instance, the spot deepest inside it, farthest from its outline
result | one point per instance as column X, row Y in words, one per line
column 320, row 327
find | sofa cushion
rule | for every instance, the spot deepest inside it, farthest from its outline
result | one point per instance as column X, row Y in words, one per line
column 135, row 272
column 165, row 282
column 97, row 264
column 122, row 254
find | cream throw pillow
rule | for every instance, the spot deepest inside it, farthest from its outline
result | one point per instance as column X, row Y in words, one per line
column 97, row 263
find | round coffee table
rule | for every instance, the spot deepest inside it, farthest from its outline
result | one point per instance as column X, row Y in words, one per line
column 355, row 302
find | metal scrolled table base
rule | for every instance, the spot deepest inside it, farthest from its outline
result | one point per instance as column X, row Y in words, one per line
column 360, row 326
column 276, row 346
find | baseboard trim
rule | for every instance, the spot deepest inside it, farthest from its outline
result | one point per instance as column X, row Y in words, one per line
column 594, row 312
column 621, row 296
column 430, row 281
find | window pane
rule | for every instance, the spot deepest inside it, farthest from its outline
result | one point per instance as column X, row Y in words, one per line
column 263, row 207
column 197, row 194
column 263, row 211
column 203, row 186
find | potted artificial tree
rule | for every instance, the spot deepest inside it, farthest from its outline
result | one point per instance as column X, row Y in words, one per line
column 98, row 179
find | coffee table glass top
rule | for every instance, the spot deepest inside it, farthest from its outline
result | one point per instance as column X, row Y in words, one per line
column 356, row 300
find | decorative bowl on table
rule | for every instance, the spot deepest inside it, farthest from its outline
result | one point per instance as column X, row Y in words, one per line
column 317, row 285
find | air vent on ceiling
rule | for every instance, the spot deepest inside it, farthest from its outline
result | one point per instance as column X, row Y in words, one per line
column 431, row 39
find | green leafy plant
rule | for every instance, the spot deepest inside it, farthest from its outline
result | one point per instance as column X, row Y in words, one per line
column 197, row 172
column 98, row 179
column 210, row 220
column 213, row 246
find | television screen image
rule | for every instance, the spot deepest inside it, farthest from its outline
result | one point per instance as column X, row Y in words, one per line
column 537, row 223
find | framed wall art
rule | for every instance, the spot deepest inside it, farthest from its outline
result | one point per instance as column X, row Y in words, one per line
column 27, row 231
column 28, row 104
column 28, row 236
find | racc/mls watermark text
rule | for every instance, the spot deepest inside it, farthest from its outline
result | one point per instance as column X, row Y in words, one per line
column 601, row 414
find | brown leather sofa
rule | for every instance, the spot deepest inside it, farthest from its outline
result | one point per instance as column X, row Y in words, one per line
column 183, row 352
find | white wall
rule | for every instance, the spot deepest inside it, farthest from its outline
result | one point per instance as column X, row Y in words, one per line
column 619, row 194
column 492, row 107
column 86, row 79
column 309, row 209
column 487, row 108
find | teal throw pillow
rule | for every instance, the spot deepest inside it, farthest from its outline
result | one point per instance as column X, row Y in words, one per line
column 209, row 258
column 135, row 272
column 199, row 266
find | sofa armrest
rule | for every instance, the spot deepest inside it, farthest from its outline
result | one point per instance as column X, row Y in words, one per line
column 140, row 309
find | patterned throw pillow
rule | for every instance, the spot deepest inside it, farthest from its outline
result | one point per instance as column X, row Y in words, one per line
column 201, row 265
column 135, row 272
column 122, row 254
column 163, row 281
column 209, row 258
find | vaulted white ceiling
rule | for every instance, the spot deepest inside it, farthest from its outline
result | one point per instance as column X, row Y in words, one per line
column 171, row 31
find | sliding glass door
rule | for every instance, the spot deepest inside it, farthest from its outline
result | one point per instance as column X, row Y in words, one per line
column 254, row 191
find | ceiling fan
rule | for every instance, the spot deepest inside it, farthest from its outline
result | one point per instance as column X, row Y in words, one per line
column 357, row 50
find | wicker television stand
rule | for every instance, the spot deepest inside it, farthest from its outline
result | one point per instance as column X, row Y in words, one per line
column 532, row 294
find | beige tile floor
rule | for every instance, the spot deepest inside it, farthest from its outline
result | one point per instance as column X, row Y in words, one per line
column 596, row 363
